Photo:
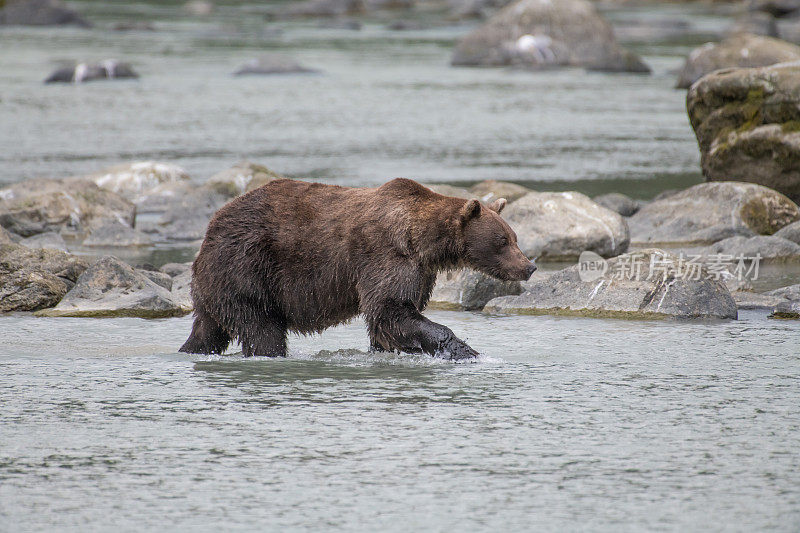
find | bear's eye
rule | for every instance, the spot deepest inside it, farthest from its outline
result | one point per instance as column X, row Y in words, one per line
column 503, row 241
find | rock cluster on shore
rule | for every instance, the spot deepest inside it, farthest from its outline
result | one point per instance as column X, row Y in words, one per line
column 103, row 210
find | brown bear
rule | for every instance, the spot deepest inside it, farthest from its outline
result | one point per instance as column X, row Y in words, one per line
column 302, row 257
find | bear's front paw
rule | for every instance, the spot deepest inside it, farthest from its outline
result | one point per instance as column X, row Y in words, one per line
column 457, row 350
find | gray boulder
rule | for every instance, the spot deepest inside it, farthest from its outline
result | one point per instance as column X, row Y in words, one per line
column 186, row 219
column 272, row 64
column 68, row 206
column 739, row 50
column 111, row 288
column 467, row 290
column 792, row 292
column 176, row 269
column 115, row 234
column 243, row 177
column 619, row 203
column 50, row 239
column 790, row 232
column 710, row 212
column 542, row 33
column 788, row 310
column 559, row 226
column 110, row 69
column 32, row 279
column 181, row 291
column 156, row 276
column 747, row 124
column 140, row 180
column 642, row 284
column 768, row 247
column 39, row 13
column 490, row 190
column 752, row 300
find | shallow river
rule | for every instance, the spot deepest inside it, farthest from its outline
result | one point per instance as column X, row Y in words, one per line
column 562, row 424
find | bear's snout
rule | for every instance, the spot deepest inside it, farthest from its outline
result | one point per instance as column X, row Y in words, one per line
column 531, row 269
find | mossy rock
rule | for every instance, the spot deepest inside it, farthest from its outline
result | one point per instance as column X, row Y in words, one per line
column 747, row 123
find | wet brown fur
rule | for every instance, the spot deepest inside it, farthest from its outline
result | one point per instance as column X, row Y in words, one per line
column 301, row 256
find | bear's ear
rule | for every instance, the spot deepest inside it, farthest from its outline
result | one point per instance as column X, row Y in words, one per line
column 498, row 205
column 470, row 210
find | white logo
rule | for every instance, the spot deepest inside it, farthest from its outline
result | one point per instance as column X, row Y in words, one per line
column 591, row 266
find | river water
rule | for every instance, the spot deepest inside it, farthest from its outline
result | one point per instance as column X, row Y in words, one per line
column 562, row 424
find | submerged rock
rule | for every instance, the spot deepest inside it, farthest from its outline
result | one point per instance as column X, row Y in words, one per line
column 542, row 33
column 642, row 284
column 768, row 248
column 32, row 279
column 273, row 64
column 747, row 123
column 790, row 232
column 562, row 225
column 39, row 13
column 115, row 234
column 467, row 290
column 710, row 212
column 619, row 203
column 490, row 190
column 49, row 239
column 67, row 206
column 243, row 177
column 740, row 50
column 111, row 288
column 109, row 69
column 788, row 310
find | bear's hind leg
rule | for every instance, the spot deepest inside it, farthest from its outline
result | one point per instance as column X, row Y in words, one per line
column 264, row 337
column 207, row 336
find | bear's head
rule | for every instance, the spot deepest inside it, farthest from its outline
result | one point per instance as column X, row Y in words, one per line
column 490, row 245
